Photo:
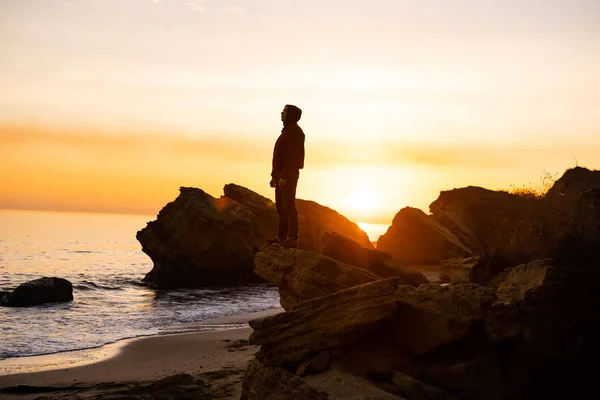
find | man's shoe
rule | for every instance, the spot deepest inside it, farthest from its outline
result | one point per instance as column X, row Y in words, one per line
column 274, row 240
column 290, row 244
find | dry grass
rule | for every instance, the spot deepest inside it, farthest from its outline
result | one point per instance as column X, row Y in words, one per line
column 565, row 228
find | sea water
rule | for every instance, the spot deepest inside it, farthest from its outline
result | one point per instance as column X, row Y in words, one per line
column 100, row 256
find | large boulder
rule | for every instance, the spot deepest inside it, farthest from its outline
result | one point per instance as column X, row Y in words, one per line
column 323, row 323
column 198, row 240
column 457, row 270
column 546, row 318
column 430, row 316
column 473, row 213
column 416, row 239
column 263, row 382
column 313, row 219
column 382, row 264
column 37, row 292
column 302, row 275
column 574, row 182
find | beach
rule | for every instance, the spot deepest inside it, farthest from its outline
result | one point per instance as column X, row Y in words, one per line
column 205, row 364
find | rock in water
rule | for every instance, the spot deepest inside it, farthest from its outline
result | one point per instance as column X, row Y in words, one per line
column 39, row 291
column 414, row 238
column 198, row 240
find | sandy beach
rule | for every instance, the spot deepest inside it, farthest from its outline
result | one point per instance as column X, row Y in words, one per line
column 202, row 365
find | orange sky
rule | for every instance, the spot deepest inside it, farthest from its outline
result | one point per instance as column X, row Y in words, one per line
column 108, row 105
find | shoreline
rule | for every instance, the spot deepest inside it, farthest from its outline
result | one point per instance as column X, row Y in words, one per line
column 222, row 352
column 78, row 357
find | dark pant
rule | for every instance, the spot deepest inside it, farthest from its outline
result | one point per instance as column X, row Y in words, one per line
column 285, row 201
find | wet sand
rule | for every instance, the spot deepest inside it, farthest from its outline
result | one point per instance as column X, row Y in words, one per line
column 195, row 365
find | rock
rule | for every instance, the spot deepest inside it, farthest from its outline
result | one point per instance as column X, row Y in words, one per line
column 303, row 275
column 522, row 281
column 414, row 238
column 505, row 320
column 313, row 219
column 318, row 363
column 473, row 213
column 39, row 291
column 382, row 264
column 546, row 320
column 414, row 389
column 341, row 385
column 275, row 383
column 457, row 270
column 262, row 382
column 431, row 315
column 574, row 182
column 198, row 240
column 323, row 323
column 467, row 377
column 389, row 387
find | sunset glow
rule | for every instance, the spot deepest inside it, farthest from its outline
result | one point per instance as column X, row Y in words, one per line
column 362, row 199
column 111, row 105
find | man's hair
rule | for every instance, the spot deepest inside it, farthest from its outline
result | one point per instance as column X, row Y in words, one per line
column 293, row 113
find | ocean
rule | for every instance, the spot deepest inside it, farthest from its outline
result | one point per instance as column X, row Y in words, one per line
column 101, row 257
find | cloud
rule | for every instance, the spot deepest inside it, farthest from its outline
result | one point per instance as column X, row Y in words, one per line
column 195, row 5
column 233, row 9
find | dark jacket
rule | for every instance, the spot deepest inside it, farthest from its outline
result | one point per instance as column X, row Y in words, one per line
column 288, row 155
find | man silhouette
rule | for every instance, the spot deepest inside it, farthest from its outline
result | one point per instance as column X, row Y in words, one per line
column 288, row 160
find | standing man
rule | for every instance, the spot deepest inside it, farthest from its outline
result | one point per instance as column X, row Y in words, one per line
column 288, row 160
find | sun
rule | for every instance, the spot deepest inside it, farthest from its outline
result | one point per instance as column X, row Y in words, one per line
column 362, row 199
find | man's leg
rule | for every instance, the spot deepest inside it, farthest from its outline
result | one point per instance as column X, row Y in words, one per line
column 282, row 213
column 289, row 204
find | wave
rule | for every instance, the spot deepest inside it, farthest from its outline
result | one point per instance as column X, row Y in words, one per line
column 87, row 285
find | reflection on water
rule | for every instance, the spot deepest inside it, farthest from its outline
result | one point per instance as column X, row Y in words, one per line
column 101, row 257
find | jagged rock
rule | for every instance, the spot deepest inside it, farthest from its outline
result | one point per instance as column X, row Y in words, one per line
column 198, row 240
column 341, row 385
column 39, row 291
column 457, row 270
column 431, row 315
column 547, row 319
column 262, row 382
column 275, row 383
column 313, row 219
column 473, row 213
column 414, row 389
column 302, row 275
column 574, row 182
column 323, row 323
column 414, row 238
column 382, row 264
column 468, row 377
column 318, row 363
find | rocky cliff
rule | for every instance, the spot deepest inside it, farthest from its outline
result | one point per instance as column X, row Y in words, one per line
column 529, row 334
column 198, row 240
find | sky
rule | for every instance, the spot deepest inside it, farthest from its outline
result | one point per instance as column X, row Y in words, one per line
column 112, row 105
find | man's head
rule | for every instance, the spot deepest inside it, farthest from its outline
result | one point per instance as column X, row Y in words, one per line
column 290, row 114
